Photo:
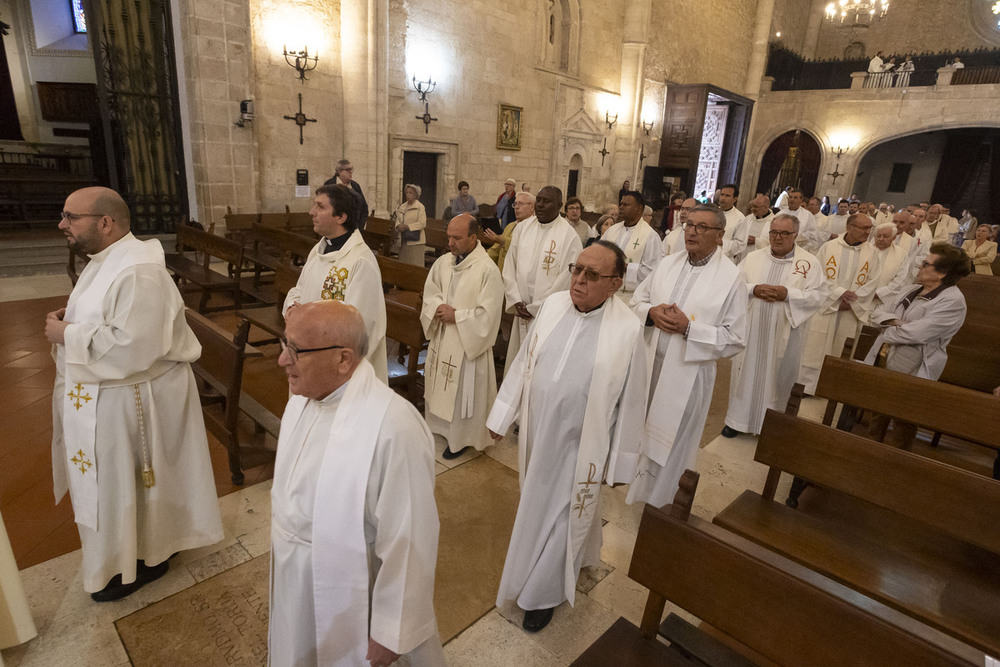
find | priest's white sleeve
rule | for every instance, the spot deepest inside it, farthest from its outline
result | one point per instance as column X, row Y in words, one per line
column 400, row 504
column 364, row 292
column 651, row 256
column 640, row 303
column 707, row 341
column 433, row 297
column 507, row 407
column 512, row 291
column 478, row 326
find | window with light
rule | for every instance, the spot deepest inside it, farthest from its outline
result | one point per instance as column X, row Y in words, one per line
column 79, row 18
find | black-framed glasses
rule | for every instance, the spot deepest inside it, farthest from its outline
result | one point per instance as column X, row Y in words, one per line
column 294, row 352
column 73, row 217
column 779, row 234
column 590, row 274
column 926, row 264
column 699, row 228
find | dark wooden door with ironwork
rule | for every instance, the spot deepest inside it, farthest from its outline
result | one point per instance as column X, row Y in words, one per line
column 137, row 91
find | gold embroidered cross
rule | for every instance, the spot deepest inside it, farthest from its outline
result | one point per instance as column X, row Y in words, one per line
column 80, row 460
column 586, row 494
column 79, row 396
column 550, row 257
column 449, row 374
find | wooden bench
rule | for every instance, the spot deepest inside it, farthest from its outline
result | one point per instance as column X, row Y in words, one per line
column 269, row 318
column 238, row 225
column 300, row 222
column 935, row 406
column 378, row 235
column 917, row 535
column 199, row 274
column 76, row 255
column 219, row 371
column 779, row 610
column 268, row 248
column 403, row 301
column 437, row 240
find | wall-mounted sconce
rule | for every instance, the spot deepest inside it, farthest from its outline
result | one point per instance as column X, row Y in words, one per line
column 425, row 88
column 246, row 113
column 646, row 127
column 836, row 173
column 839, row 151
column 610, row 120
column 300, row 61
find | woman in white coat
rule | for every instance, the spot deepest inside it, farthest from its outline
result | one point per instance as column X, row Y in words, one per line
column 411, row 218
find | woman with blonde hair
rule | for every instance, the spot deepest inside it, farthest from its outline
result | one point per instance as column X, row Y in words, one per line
column 981, row 250
column 411, row 218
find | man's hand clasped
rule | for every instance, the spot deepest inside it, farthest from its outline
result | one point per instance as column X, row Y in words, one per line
column 55, row 327
column 669, row 318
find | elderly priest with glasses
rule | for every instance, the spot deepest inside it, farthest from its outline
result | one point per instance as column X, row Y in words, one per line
column 693, row 307
column 354, row 527
column 578, row 389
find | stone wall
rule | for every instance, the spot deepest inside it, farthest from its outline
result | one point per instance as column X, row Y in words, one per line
column 844, row 118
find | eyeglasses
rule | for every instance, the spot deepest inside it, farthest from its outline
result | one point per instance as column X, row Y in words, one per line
column 590, row 274
column 928, row 264
column 775, row 233
column 73, row 217
column 294, row 352
column 686, row 208
column 700, row 227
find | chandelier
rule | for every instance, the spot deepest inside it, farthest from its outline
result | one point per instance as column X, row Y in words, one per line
column 853, row 14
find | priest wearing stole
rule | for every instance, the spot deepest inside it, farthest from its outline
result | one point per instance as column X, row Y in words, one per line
column 354, row 527
column 783, row 284
column 578, row 388
column 641, row 245
column 894, row 264
column 535, row 266
column 341, row 267
column 128, row 436
column 850, row 271
column 694, row 309
column 462, row 304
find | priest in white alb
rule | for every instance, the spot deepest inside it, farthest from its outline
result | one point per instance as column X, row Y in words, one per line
column 637, row 240
column 894, row 264
column 783, row 285
column 736, row 237
column 850, row 269
column 341, row 267
column 128, row 436
column 694, row 309
column 462, row 305
column 578, row 389
column 354, row 526
column 811, row 237
column 758, row 223
column 674, row 240
column 535, row 266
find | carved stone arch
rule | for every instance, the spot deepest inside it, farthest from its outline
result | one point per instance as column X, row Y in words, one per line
column 559, row 36
column 579, row 141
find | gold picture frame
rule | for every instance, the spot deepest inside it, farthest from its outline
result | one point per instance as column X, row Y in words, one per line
column 509, row 127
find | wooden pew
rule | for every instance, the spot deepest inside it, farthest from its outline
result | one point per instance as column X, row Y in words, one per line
column 275, row 220
column 437, row 240
column 268, row 249
column 199, row 274
column 219, row 371
column 76, row 255
column 777, row 609
column 378, row 235
column 935, row 406
column 269, row 318
column 300, row 222
column 403, row 300
column 238, row 225
column 917, row 535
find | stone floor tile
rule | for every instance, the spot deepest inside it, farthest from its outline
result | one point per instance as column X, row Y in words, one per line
column 491, row 641
column 218, row 562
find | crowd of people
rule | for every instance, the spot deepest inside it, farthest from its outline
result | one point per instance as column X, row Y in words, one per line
column 609, row 373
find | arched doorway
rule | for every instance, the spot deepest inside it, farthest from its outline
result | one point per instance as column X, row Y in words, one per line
column 791, row 159
column 573, row 181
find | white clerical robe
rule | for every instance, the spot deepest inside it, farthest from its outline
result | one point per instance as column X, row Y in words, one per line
column 354, row 529
column 641, row 246
column 757, row 228
column 351, row 275
column 943, row 229
column 673, row 241
column 894, row 274
column 763, row 374
column 128, row 344
column 683, row 368
column 578, row 387
column 810, row 237
column 16, row 624
column 734, row 238
column 536, row 266
column 836, row 224
column 460, row 376
column 846, row 268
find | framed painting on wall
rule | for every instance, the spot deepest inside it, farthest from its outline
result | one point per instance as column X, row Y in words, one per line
column 509, row 127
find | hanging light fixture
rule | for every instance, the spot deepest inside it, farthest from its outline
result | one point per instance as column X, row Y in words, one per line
column 854, row 14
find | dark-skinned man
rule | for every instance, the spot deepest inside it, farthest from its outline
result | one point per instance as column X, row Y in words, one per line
column 637, row 240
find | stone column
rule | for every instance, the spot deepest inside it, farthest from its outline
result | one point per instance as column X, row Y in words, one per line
column 758, row 51
column 816, row 13
column 636, row 40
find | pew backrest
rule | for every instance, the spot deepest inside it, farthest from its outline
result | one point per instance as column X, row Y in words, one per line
column 401, row 275
column 191, row 238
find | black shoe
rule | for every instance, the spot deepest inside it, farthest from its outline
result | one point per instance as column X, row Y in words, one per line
column 729, row 432
column 536, row 619
column 116, row 590
column 448, row 455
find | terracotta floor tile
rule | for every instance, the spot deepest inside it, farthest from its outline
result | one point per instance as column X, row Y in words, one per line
column 62, row 540
column 26, row 536
column 35, row 360
column 13, row 399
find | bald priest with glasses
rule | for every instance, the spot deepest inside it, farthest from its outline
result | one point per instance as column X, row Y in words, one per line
column 578, row 389
column 693, row 308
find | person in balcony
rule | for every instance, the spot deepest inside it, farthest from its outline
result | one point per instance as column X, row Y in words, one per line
column 903, row 72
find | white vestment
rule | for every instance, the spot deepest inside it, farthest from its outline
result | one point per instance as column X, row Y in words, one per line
column 460, row 376
column 810, row 237
column 354, row 529
column 641, row 246
column 16, row 624
column 128, row 344
column 734, row 239
column 351, row 275
column 763, row 374
column 845, row 268
column 894, row 274
column 673, row 241
column 836, row 224
column 683, row 368
column 943, row 229
column 536, row 266
column 758, row 228
column 578, row 387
